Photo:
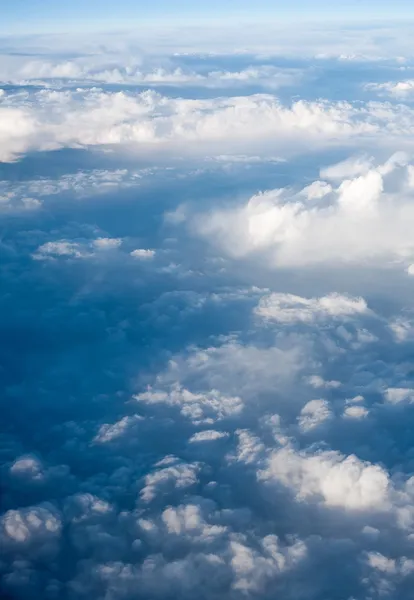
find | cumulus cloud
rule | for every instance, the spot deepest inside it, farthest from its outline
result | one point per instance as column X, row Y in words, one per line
column 287, row 308
column 60, row 248
column 208, row 436
column 49, row 120
column 355, row 412
column 366, row 221
column 29, row 467
column 109, row 432
column 143, row 254
column 107, row 243
column 200, row 408
column 313, row 414
column 170, row 473
column 333, row 479
column 318, row 382
column 399, row 89
column 76, row 250
column 34, row 529
column 397, row 395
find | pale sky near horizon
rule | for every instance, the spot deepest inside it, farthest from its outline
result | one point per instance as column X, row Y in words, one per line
column 43, row 14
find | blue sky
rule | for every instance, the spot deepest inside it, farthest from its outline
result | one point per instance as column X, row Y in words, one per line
column 41, row 14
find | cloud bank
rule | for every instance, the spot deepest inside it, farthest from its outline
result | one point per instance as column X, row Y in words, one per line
column 206, row 317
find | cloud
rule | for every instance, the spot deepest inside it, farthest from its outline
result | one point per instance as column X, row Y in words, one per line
column 32, row 530
column 60, row 248
column 208, row 436
column 76, row 250
column 347, row 169
column 288, row 309
column 218, row 383
column 355, row 412
column 141, row 253
column 200, row 408
column 313, row 414
column 33, row 194
column 49, row 120
column 28, row 467
column 336, row 480
column 110, row 432
column 366, row 220
column 398, row 89
column 397, row 395
column 88, row 71
column 107, row 243
column 318, row 382
column 173, row 474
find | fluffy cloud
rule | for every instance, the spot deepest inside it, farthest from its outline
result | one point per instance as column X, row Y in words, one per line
column 85, row 71
column 141, row 253
column 336, row 480
column 49, row 120
column 313, row 414
column 366, row 220
column 170, row 473
column 68, row 249
column 33, row 529
column 208, row 436
column 399, row 89
column 288, row 309
column 200, row 408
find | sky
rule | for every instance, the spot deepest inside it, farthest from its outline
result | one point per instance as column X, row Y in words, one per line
column 46, row 14
column 206, row 305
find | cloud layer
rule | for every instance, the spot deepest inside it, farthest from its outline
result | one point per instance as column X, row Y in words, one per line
column 207, row 326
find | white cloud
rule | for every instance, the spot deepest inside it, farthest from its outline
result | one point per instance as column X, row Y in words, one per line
column 70, row 249
column 87, row 71
column 107, row 243
column 253, row 569
column 289, row 309
column 210, row 435
column 82, row 507
column 398, row 395
column 143, row 254
column 31, row 529
column 336, row 480
column 220, row 382
column 355, row 412
column 28, row 467
column 317, row 190
column 200, row 408
column 60, row 248
column 50, row 119
column 189, row 520
column 175, row 475
column 348, row 169
column 249, row 448
column 17, row 128
column 318, row 382
column 368, row 221
column 402, row 329
column 399, row 89
column 110, row 432
column 313, row 414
